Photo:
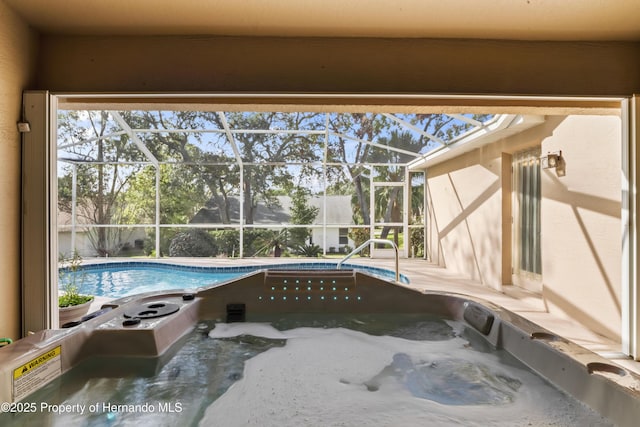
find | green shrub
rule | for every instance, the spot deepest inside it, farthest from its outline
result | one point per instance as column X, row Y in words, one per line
column 359, row 236
column 69, row 299
column 417, row 242
column 68, row 278
column 228, row 242
column 311, row 251
column 193, row 243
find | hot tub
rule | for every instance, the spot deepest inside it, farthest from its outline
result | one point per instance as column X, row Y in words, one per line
column 130, row 342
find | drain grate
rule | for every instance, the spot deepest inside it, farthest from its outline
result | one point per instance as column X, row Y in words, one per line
column 236, row 313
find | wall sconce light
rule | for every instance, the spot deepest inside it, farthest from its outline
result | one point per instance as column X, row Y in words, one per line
column 551, row 160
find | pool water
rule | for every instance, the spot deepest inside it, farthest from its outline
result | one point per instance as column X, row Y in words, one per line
column 117, row 279
column 353, row 370
column 116, row 282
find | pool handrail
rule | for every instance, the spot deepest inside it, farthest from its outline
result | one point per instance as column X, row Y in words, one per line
column 368, row 242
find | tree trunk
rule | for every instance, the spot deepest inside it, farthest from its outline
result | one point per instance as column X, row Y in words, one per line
column 248, row 204
column 364, row 204
column 392, row 214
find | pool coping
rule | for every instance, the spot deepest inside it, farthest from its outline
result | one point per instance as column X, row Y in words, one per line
column 177, row 265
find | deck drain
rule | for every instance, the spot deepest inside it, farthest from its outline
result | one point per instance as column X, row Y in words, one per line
column 151, row 310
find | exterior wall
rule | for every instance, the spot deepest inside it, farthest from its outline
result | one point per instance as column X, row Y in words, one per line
column 139, row 64
column 465, row 199
column 17, row 58
column 580, row 211
column 84, row 246
column 581, row 223
column 333, row 239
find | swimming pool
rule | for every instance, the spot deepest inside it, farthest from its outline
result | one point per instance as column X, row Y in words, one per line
column 119, row 279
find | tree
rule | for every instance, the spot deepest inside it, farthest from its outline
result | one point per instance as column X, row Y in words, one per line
column 388, row 202
column 193, row 243
column 363, row 128
column 267, row 155
column 196, row 157
column 374, row 139
column 301, row 213
column 95, row 149
column 267, row 242
column 199, row 159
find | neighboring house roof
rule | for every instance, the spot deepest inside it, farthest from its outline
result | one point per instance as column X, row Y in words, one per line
column 339, row 211
column 64, row 219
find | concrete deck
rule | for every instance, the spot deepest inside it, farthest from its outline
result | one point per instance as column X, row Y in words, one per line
column 426, row 276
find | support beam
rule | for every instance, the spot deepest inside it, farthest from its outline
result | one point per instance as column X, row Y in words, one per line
column 415, row 128
column 630, row 328
column 134, row 137
column 39, row 244
column 236, row 153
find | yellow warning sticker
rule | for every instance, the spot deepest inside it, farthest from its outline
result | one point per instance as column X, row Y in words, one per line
column 36, row 373
column 35, row 363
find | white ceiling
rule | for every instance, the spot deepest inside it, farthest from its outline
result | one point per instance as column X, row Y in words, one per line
column 479, row 19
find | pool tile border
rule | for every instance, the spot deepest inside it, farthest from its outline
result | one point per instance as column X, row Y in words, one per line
column 377, row 271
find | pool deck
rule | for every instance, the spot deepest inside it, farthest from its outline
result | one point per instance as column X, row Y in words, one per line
column 426, row 276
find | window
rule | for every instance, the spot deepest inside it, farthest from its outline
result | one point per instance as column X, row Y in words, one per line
column 526, row 219
column 343, row 236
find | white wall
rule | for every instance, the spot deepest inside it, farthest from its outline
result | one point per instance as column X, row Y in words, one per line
column 333, row 239
column 580, row 211
column 83, row 244
column 466, row 204
column 581, row 223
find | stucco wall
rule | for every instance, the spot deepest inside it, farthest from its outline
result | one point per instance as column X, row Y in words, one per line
column 469, row 222
column 465, row 231
column 580, row 211
column 581, row 223
column 102, row 63
column 17, row 59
